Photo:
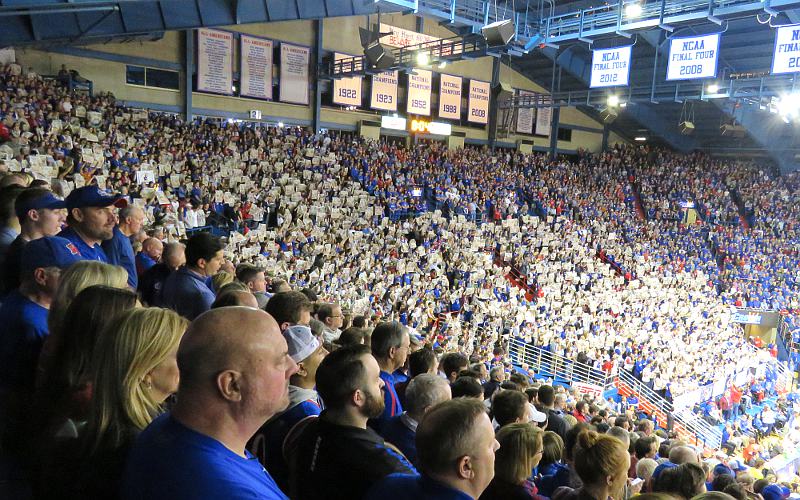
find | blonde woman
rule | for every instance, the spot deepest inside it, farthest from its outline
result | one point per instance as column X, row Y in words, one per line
column 519, row 453
column 134, row 370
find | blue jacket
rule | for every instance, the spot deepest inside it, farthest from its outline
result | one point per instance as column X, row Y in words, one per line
column 396, row 431
column 412, row 487
column 186, row 293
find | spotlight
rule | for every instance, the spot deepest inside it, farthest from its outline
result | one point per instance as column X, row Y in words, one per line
column 633, row 9
column 442, row 64
column 422, row 58
column 280, row 124
column 640, row 138
column 613, row 100
column 713, row 88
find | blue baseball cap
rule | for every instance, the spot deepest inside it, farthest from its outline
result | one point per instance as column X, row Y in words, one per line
column 93, row 196
column 660, row 468
column 721, row 469
column 775, row 492
column 47, row 200
column 50, row 251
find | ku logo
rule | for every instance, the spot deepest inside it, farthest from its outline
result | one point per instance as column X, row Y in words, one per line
column 72, row 249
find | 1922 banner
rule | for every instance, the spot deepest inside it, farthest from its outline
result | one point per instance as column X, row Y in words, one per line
column 419, row 92
column 214, row 61
column 478, row 102
column 450, row 97
column 294, row 73
column 346, row 91
column 525, row 116
column 384, row 91
column 693, row 57
column 256, row 67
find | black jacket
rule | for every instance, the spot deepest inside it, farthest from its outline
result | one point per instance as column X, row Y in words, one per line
column 330, row 461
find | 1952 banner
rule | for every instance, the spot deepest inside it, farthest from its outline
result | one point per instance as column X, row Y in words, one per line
column 419, row 92
column 384, row 91
column 525, row 116
column 256, row 64
column 786, row 58
column 478, row 102
column 346, row 91
column 610, row 67
column 214, row 61
column 449, row 97
column 294, row 73
column 693, row 57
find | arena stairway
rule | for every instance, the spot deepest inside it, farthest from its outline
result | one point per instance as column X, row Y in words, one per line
column 688, row 425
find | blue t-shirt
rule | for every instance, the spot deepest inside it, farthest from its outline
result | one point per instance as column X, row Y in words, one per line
column 170, row 461
column 23, row 334
column 187, row 293
column 412, row 487
column 120, row 253
column 88, row 253
column 144, row 262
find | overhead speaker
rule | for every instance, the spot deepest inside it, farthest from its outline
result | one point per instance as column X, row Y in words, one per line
column 608, row 115
column 373, row 35
column 499, row 33
column 503, row 91
column 686, row 127
column 731, row 130
column 379, row 55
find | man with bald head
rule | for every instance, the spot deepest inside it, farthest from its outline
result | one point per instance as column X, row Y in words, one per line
column 152, row 249
column 234, row 367
column 152, row 281
column 683, row 455
column 119, row 249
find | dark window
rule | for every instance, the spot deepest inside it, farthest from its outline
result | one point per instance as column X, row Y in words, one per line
column 134, row 75
column 565, row 134
column 163, row 79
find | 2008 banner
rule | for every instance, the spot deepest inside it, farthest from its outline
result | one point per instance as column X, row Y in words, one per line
column 693, row 57
column 478, row 102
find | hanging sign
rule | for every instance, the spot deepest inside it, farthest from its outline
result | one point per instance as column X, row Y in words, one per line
column 525, row 116
column 693, row 57
column 256, row 64
column 610, row 67
column 478, row 102
column 294, row 73
column 346, row 91
column 419, row 92
column 214, row 61
column 786, row 57
column 449, row 97
column 384, row 91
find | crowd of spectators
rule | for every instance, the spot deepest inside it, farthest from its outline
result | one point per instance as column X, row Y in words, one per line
column 363, row 283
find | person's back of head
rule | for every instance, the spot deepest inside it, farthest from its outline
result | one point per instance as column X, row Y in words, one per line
column 721, row 481
column 425, row 391
column 133, row 372
column 622, row 421
column 456, row 445
column 509, row 407
column 621, row 434
column 288, row 307
column 519, row 379
column 467, row 387
column 712, row 495
column 422, row 361
column 736, row 490
column 547, row 396
column 234, row 297
column 174, row 255
column 360, row 321
column 645, row 468
column 571, row 439
column 601, row 461
column 78, row 277
column 350, row 336
column 222, row 279
column 683, row 481
column 519, row 452
column 452, row 363
column 682, row 455
column 552, row 448
column 8, row 198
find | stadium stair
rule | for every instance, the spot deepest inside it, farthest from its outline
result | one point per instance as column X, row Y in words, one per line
column 744, row 218
column 637, row 196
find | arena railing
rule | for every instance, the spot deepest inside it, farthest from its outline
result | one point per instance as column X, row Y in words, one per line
column 686, row 424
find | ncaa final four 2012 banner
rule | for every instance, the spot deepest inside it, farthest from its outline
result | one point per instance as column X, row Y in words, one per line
column 611, row 67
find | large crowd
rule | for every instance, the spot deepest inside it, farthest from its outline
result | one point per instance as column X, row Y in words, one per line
column 148, row 357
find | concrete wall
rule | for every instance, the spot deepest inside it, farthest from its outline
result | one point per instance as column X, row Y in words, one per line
column 104, row 64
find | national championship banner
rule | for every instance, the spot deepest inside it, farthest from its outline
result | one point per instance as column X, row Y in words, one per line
column 449, row 97
column 693, row 57
column 525, row 116
column 543, row 121
column 256, row 67
column 478, row 102
column 214, row 61
column 346, row 91
column 610, row 67
column 786, row 57
column 294, row 73
column 419, row 92
column 384, row 91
